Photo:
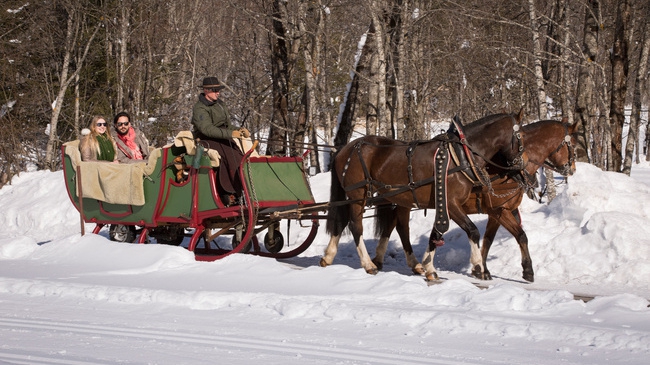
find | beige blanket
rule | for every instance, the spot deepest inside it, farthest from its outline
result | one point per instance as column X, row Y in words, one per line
column 110, row 182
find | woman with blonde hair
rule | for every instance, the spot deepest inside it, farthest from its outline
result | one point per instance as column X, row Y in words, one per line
column 97, row 143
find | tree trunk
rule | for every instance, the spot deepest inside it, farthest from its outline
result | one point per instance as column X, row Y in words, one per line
column 123, row 42
column 585, row 108
column 620, row 65
column 346, row 115
column 372, row 108
column 376, row 11
column 77, row 122
column 542, row 111
column 639, row 92
column 537, row 61
column 311, row 54
column 565, row 67
column 405, row 128
column 280, row 79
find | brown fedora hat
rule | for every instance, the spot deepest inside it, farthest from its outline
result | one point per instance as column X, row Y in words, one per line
column 212, row 83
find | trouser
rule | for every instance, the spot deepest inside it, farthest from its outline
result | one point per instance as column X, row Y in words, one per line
column 228, row 179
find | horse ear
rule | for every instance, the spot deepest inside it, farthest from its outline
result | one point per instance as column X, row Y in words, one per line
column 572, row 128
column 520, row 115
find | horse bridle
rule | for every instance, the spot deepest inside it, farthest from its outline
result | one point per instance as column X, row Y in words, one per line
column 517, row 163
column 570, row 150
column 564, row 171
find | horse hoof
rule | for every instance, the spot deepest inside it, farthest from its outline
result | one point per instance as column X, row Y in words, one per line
column 432, row 276
column 529, row 278
column 478, row 273
column 380, row 265
column 323, row 263
column 418, row 270
column 373, row 271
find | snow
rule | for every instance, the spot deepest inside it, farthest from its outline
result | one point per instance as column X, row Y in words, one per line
column 68, row 299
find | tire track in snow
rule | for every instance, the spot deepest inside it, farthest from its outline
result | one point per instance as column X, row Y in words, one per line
column 229, row 342
column 25, row 359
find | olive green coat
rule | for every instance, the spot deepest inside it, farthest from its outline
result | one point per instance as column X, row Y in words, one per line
column 211, row 120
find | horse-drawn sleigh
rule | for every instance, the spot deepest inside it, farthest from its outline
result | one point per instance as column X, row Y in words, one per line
column 178, row 192
column 175, row 192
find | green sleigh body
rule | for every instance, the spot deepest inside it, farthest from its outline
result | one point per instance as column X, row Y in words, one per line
column 148, row 195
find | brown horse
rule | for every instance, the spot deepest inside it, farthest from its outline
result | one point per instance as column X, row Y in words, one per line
column 548, row 143
column 377, row 169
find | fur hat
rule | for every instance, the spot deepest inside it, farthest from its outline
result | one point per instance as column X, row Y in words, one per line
column 212, row 83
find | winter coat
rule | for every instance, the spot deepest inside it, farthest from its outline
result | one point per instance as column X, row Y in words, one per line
column 90, row 151
column 124, row 153
column 211, row 120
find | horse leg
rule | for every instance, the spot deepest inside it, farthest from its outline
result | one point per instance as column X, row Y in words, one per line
column 385, row 222
column 356, row 227
column 427, row 261
column 510, row 222
column 338, row 217
column 388, row 217
column 330, row 250
column 490, row 231
column 403, row 216
column 474, row 237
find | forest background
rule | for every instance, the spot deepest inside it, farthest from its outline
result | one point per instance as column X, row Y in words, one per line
column 314, row 70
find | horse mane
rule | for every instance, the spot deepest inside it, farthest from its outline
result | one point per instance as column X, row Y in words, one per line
column 480, row 123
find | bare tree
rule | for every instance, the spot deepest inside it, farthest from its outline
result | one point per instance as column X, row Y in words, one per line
column 585, row 102
column 620, row 66
column 377, row 82
column 280, row 73
column 638, row 93
column 74, row 38
column 542, row 112
column 537, row 61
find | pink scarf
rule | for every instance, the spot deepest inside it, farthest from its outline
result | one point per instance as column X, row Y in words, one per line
column 129, row 141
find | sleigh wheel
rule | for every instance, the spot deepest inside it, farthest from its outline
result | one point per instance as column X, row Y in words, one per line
column 168, row 235
column 121, row 233
column 273, row 241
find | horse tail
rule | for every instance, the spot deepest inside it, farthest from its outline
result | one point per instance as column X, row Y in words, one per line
column 338, row 215
column 384, row 215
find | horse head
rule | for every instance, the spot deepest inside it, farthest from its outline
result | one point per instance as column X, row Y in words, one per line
column 551, row 145
column 499, row 140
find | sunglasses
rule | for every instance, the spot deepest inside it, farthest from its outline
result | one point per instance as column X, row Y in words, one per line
column 123, row 123
column 101, row 124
